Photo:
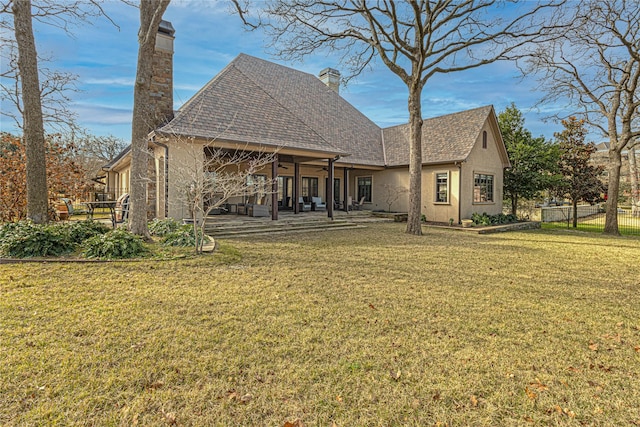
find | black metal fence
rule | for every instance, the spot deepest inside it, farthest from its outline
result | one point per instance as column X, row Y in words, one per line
column 590, row 218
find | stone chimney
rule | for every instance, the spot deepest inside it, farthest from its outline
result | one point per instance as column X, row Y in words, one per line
column 161, row 90
column 331, row 78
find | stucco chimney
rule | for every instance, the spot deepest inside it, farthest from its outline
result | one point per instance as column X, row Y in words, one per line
column 331, row 78
column 161, row 92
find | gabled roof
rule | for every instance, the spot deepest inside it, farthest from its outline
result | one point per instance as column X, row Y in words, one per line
column 256, row 101
column 445, row 139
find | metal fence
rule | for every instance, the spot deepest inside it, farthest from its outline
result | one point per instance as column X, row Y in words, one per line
column 589, row 218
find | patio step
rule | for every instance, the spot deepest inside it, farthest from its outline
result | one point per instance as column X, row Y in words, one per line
column 228, row 229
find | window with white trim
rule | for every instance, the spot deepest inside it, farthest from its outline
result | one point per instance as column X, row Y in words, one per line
column 442, row 187
column 482, row 188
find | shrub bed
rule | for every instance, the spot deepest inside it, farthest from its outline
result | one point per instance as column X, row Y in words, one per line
column 485, row 219
column 118, row 243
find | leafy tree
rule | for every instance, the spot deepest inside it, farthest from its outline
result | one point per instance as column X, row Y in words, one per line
column 414, row 39
column 580, row 178
column 64, row 175
column 533, row 160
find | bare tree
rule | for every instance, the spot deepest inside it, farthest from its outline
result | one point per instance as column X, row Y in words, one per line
column 415, row 39
column 151, row 12
column 594, row 66
column 58, row 14
column 36, row 166
column 633, row 177
column 55, row 90
column 208, row 176
column 392, row 193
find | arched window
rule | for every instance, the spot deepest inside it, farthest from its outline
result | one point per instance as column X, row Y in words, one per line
column 484, row 139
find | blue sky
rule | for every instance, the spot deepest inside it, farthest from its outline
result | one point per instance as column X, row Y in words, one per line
column 208, row 37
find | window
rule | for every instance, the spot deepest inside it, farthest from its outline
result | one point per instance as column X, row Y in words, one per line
column 336, row 189
column 482, row 188
column 442, row 187
column 364, row 188
column 309, row 187
column 484, row 139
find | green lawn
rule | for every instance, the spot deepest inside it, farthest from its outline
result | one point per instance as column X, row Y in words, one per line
column 367, row 327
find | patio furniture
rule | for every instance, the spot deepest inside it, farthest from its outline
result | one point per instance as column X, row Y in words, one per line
column 109, row 204
column 304, row 205
column 316, row 204
column 358, row 206
column 259, row 209
column 243, row 208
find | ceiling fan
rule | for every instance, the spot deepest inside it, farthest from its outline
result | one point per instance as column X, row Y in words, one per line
column 280, row 165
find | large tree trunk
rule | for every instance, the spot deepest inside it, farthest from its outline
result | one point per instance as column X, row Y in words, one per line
column 150, row 16
column 611, row 219
column 415, row 161
column 36, row 166
column 633, row 174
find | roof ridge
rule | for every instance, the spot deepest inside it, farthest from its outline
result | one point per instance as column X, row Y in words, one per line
column 442, row 116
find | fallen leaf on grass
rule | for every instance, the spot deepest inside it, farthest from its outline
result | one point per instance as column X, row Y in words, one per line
column 296, row 423
column 170, row 417
column 395, row 374
column 572, row 369
column 371, row 306
column 531, row 394
column 637, row 348
column 538, row 385
column 562, row 411
column 593, row 346
column 616, row 337
column 474, row 401
column 246, row 398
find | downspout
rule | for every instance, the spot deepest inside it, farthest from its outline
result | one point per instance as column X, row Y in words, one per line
column 166, row 174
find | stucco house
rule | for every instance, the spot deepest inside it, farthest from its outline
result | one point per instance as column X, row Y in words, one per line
column 326, row 147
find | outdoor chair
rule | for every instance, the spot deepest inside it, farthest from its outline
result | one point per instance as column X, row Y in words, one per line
column 243, row 208
column 259, row 209
column 316, row 202
column 358, row 206
column 304, row 205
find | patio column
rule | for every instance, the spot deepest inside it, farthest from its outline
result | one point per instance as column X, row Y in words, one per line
column 274, row 189
column 296, row 187
column 329, row 200
column 346, row 188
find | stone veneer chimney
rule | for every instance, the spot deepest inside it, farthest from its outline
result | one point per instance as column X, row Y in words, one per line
column 331, row 78
column 161, row 90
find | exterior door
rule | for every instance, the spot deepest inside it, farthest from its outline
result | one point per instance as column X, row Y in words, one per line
column 285, row 192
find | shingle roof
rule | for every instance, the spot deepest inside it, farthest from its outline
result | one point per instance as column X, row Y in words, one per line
column 445, row 139
column 256, row 101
